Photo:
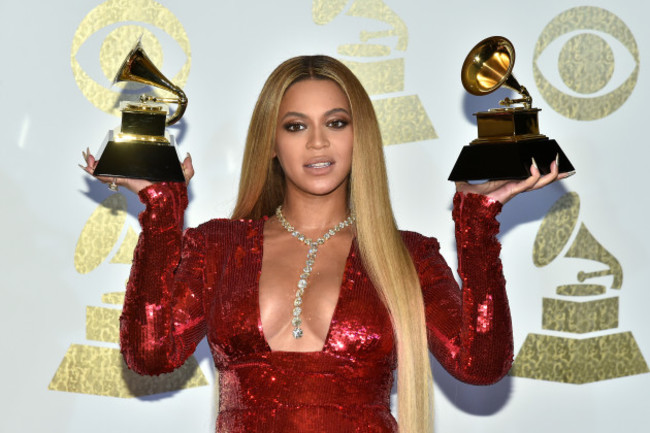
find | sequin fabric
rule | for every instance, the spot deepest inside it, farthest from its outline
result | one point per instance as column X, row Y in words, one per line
column 204, row 282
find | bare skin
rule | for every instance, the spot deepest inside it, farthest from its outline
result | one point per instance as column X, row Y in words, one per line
column 314, row 146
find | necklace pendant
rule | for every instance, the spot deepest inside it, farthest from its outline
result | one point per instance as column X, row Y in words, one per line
column 303, row 281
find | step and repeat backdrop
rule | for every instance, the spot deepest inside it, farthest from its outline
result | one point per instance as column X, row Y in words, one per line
column 575, row 254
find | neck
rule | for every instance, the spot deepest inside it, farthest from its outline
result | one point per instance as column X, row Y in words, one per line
column 313, row 215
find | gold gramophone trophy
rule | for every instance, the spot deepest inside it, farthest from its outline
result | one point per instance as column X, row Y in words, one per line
column 141, row 148
column 508, row 138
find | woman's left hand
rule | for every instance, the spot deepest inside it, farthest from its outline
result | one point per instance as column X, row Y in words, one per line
column 505, row 190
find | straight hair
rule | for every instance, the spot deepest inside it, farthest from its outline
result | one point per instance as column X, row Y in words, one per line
column 383, row 253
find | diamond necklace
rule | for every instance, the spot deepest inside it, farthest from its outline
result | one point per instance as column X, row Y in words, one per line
column 296, row 321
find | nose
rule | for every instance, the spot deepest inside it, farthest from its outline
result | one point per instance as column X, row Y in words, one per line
column 318, row 138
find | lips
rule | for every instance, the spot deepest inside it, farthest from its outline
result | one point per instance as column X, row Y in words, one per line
column 319, row 164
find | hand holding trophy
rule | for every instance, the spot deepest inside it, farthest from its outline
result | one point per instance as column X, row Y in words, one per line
column 141, row 148
column 508, row 138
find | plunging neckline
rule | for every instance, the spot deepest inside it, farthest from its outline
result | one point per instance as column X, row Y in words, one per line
column 258, row 310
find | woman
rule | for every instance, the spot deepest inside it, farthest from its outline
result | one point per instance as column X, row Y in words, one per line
column 309, row 295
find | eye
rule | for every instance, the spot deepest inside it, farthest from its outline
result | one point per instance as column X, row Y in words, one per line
column 337, row 124
column 586, row 63
column 108, row 32
column 294, row 126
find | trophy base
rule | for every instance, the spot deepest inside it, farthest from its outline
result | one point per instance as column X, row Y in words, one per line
column 136, row 159
column 507, row 160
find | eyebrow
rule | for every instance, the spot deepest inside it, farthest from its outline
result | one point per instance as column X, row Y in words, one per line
column 327, row 113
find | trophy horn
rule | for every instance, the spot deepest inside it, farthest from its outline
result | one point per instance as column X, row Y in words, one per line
column 138, row 67
column 488, row 66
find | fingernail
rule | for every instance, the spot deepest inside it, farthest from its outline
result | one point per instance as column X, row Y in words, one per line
column 82, row 167
column 535, row 163
column 557, row 159
column 569, row 174
column 188, row 155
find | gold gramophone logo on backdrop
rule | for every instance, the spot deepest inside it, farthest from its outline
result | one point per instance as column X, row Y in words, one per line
column 586, row 62
column 97, row 367
column 109, row 21
column 581, row 308
column 402, row 118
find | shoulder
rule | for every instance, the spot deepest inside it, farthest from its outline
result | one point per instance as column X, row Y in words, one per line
column 229, row 229
column 418, row 244
column 425, row 253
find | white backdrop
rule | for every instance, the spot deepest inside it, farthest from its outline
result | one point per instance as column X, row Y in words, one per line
column 65, row 257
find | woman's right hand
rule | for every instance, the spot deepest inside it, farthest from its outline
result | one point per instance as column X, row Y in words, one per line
column 134, row 185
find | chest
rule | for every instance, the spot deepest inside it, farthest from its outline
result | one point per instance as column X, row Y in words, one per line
column 359, row 325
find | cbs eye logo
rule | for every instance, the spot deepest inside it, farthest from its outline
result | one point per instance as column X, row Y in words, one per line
column 112, row 29
column 586, row 43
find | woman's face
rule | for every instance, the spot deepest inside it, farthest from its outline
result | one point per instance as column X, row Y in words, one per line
column 314, row 137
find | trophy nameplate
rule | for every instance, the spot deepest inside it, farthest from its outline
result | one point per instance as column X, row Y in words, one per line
column 508, row 138
column 141, row 148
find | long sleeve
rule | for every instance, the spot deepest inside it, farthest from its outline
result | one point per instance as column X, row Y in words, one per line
column 163, row 319
column 469, row 330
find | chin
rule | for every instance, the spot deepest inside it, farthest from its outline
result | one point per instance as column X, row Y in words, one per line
column 325, row 190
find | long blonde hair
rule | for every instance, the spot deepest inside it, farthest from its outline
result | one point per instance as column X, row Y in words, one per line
column 385, row 257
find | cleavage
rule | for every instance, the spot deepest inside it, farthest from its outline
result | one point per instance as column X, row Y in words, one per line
column 282, row 262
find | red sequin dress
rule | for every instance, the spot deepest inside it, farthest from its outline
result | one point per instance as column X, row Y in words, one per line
column 204, row 281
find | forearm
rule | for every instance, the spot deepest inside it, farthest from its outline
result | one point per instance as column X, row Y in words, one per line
column 160, row 323
column 486, row 333
column 468, row 329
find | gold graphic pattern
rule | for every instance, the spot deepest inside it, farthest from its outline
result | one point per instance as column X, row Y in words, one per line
column 381, row 77
column 585, row 246
column 378, row 10
column 566, row 358
column 580, row 289
column 583, row 47
column 100, row 234
column 586, row 63
column 116, row 11
column 569, row 360
column 556, row 229
column 579, row 317
column 363, row 50
column 324, row 11
column 125, row 253
column 403, row 119
column 385, row 76
column 113, row 298
column 102, row 371
column 103, row 324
